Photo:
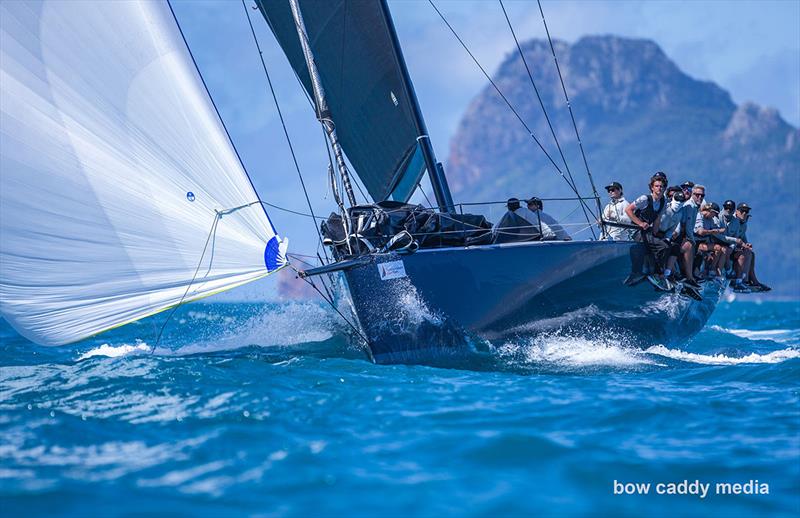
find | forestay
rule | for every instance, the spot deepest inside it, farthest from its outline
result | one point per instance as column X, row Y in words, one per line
column 114, row 165
column 367, row 98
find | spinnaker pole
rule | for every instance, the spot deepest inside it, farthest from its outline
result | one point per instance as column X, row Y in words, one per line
column 438, row 180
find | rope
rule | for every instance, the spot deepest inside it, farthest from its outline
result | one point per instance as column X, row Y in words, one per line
column 571, row 114
column 508, row 103
column 544, row 110
column 212, row 232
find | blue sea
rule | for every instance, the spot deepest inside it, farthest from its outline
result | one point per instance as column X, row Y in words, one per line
column 268, row 410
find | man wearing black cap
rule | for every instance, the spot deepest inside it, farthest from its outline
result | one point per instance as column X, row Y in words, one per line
column 744, row 256
column 536, row 206
column 687, row 189
column 728, row 209
column 614, row 212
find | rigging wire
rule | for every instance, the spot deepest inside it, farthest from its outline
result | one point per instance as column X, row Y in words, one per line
column 572, row 116
column 508, row 103
column 332, row 305
column 219, row 115
column 544, row 110
column 424, row 194
column 283, row 123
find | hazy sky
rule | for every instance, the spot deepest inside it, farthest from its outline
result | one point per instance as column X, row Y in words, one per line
column 750, row 48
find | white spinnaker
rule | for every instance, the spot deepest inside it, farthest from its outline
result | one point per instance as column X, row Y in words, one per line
column 105, row 129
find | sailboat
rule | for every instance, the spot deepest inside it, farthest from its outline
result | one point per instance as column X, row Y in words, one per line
column 123, row 195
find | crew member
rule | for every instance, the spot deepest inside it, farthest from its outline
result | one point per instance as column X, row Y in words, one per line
column 707, row 227
column 645, row 212
column 687, row 188
column 614, row 212
column 535, row 219
column 728, row 209
column 536, row 206
column 738, row 229
column 689, row 212
column 670, row 228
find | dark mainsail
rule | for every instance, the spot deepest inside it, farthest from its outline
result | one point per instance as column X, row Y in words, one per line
column 367, row 97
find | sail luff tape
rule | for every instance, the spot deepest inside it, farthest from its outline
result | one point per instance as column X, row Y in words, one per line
column 422, row 137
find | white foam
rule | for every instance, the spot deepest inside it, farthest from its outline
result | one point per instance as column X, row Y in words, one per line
column 577, row 352
column 721, row 359
column 116, row 351
column 287, row 324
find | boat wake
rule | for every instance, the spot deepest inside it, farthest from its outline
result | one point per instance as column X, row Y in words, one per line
column 290, row 324
column 565, row 349
column 722, row 359
column 562, row 343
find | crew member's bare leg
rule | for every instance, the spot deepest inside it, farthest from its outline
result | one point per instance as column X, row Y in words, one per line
column 687, row 253
column 751, row 272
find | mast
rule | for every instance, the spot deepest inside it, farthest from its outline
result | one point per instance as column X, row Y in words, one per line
column 438, row 180
column 323, row 113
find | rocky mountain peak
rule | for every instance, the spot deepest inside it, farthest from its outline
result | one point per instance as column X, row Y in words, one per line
column 751, row 123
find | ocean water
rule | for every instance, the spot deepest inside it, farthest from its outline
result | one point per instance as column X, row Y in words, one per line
column 266, row 410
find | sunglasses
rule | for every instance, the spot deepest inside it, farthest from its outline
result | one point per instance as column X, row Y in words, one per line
column 698, row 194
column 613, row 189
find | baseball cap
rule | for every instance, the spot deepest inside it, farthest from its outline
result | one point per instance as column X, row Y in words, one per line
column 614, row 185
column 729, row 205
column 688, row 184
column 713, row 207
column 743, row 207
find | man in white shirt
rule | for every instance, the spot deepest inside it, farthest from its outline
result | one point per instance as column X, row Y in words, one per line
column 536, row 206
column 614, row 212
column 689, row 211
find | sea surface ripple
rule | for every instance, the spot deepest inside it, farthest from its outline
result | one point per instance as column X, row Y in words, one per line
column 266, row 410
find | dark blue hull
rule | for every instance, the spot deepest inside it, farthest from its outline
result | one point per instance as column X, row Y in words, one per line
column 437, row 302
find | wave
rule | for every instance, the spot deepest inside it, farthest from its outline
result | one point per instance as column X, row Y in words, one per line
column 288, row 324
column 775, row 335
column 113, row 351
column 722, row 359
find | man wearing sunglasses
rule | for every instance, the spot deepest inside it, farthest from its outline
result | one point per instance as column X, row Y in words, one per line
column 712, row 242
column 694, row 194
column 687, row 188
column 614, row 212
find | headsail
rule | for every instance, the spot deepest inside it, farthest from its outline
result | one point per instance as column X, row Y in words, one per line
column 115, row 170
column 367, row 97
